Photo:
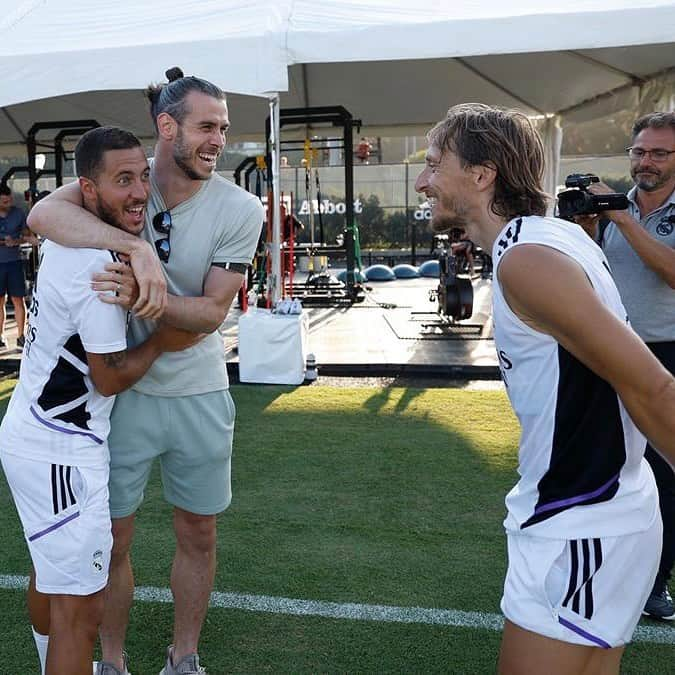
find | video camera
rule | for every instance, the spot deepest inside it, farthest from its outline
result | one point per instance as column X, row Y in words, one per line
column 578, row 201
column 454, row 294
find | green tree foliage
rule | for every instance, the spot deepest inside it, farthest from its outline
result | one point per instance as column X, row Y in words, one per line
column 378, row 227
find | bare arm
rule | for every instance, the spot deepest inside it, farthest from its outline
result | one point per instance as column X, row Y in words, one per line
column 654, row 254
column 114, row 372
column 62, row 218
column 551, row 293
column 205, row 313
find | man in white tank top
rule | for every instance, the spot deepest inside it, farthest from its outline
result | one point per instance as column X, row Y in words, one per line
column 583, row 526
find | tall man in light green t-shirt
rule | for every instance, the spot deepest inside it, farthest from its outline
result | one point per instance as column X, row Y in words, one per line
column 204, row 230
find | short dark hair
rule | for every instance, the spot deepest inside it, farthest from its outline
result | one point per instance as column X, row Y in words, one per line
column 94, row 143
column 5, row 190
column 170, row 96
column 482, row 135
column 656, row 120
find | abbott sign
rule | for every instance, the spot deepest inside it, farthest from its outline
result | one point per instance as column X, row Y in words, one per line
column 327, row 206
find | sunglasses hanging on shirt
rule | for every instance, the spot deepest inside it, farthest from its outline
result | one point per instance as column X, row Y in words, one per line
column 162, row 223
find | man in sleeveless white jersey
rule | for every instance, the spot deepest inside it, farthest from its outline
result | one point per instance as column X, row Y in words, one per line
column 583, row 525
column 53, row 439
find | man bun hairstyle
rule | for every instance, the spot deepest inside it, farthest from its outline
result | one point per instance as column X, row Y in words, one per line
column 505, row 140
column 170, row 97
column 174, row 74
column 95, row 143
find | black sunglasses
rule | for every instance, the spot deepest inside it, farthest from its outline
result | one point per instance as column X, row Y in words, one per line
column 162, row 223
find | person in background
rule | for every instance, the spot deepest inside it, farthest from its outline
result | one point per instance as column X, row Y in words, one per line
column 640, row 246
column 13, row 233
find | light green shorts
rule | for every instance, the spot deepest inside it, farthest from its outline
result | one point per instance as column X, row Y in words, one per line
column 191, row 435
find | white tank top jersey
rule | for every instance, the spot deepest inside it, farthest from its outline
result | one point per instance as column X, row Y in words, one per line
column 56, row 414
column 581, row 465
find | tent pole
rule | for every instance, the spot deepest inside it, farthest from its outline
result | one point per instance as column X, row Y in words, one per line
column 276, row 281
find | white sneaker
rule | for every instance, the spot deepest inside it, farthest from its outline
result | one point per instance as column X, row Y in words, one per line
column 188, row 665
column 296, row 306
column 105, row 668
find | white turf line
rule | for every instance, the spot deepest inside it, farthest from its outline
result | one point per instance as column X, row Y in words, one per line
column 336, row 610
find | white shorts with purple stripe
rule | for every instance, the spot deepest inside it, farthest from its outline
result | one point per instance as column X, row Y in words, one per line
column 66, row 521
column 585, row 591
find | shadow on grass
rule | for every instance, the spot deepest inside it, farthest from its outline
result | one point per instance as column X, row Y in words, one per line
column 377, row 401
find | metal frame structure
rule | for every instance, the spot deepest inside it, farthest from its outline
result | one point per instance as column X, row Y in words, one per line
column 65, row 129
column 340, row 117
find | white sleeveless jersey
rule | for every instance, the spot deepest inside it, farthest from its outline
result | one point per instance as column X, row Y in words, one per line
column 55, row 413
column 581, row 465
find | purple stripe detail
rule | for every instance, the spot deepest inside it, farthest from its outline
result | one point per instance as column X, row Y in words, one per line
column 65, row 431
column 55, row 526
column 580, row 631
column 575, row 500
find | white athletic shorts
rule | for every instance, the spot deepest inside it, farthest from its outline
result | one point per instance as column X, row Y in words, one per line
column 66, row 521
column 586, row 591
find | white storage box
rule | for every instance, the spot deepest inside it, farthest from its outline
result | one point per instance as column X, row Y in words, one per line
column 272, row 347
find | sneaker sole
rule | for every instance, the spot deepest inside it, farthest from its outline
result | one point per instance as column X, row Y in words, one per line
column 95, row 666
column 164, row 671
column 662, row 618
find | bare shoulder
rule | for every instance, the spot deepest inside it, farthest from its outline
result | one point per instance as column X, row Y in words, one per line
column 550, row 292
column 540, row 284
column 536, row 262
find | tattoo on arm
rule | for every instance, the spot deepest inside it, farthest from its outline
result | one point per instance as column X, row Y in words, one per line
column 115, row 359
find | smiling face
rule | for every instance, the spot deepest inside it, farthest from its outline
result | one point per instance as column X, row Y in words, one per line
column 447, row 186
column 200, row 137
column 119, row 193
column 650, row 175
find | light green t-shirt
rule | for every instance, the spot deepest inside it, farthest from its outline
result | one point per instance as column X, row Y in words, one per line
column 220, row 223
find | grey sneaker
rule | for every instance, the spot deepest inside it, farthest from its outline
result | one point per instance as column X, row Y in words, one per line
column 660, row 605
column 188, row 665
column 105, row 668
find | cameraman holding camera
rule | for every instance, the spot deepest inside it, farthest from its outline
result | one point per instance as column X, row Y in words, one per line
column 639, row 244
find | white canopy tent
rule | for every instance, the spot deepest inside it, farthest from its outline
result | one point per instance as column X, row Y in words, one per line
column 392, row 64
column 57, row 47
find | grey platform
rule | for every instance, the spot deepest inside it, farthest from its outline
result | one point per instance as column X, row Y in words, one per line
column 396, row 331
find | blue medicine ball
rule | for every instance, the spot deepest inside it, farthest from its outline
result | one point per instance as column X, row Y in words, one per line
column 404, row 271
column 430, row 268
column 379, row 273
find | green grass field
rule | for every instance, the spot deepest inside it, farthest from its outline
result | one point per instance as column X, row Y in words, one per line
column 375, row 496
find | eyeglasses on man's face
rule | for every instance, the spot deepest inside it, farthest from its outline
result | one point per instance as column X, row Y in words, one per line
column 162, row 223
column 657, row 154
